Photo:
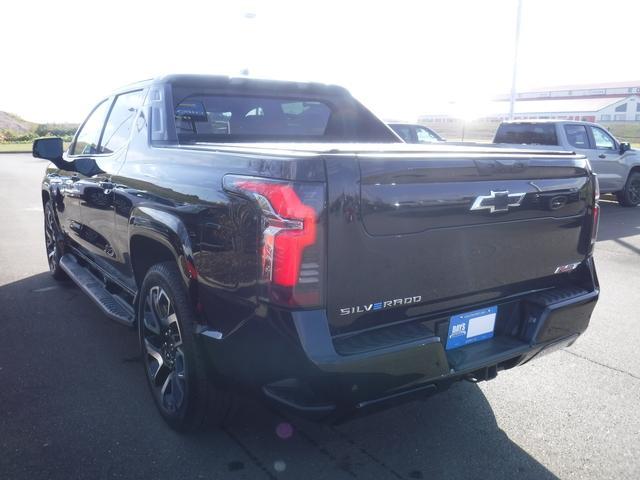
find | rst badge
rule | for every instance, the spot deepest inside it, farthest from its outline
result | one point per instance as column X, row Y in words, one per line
column 499, row 201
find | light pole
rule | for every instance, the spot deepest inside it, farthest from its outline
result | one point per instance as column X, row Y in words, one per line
column 515, row 62
column 250, row 17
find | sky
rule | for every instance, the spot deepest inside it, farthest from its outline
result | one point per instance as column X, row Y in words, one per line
column 401, row 58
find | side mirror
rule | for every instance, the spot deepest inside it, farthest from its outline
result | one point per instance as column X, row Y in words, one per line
column 624, row 147
column 49, row 148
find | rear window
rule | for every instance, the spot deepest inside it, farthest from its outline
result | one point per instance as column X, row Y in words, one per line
column 577, row 135
column 222, row 118
column 527, row 133
column 404, row 131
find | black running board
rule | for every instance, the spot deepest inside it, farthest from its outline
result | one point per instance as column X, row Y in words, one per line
column 111, row 305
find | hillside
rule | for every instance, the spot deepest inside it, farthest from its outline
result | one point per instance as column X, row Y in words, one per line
column 15, row 130
column 13, row 123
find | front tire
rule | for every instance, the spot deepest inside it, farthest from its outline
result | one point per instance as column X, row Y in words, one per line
column 629, row 196
column 175, row 367
column 53, row 242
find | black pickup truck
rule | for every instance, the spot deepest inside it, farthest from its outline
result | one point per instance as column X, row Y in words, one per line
column 278, row 238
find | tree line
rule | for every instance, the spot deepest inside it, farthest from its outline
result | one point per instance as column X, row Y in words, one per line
column 66, row 131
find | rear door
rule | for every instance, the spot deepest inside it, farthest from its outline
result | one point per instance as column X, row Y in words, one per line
column 579, row 138
column 413, row 234
column 606, row 160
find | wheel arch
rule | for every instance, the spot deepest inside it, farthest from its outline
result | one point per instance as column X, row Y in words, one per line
column 46, row 196
column 157, row 236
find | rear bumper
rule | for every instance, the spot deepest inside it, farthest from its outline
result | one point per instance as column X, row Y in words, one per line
column 302, row 370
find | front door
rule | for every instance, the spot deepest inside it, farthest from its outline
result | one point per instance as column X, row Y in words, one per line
column 70, row 193
column 98, row 208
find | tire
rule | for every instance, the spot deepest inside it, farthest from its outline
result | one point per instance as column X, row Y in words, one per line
column 630, row 195
column 53, row 242
column 175, row 367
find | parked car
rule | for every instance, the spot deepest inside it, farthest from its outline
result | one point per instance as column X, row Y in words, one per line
column 414, row 133
column 277, row 238
column 615, row 163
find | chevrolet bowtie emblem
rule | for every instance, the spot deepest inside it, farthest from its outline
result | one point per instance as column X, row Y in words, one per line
column 497, row 201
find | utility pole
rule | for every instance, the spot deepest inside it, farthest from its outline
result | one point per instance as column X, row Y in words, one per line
column 250, row 17
column 515, row 62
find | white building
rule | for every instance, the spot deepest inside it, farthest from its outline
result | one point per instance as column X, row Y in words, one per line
column 607, row 102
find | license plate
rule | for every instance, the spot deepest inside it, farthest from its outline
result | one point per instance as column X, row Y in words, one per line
column 471, row 327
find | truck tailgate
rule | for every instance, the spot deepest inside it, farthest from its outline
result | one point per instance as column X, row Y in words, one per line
column 413, row 234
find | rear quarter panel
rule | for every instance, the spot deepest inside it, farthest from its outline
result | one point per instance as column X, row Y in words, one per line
column 219, row 231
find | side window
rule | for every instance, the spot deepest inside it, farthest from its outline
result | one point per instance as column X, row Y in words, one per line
column 89, row 135
column 424, row 136
column 404, row 132
column 603, row 139
column 577, row 135
column 120, row 121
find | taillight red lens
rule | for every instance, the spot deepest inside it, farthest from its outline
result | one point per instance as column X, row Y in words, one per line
column 291, row 245
column 595, row 214
column 595, row 220
column 289, row 231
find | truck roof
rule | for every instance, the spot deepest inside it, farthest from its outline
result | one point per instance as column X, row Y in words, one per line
column 547, row 121
column 223, row 81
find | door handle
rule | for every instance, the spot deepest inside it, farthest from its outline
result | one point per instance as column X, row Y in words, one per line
column 602, row 155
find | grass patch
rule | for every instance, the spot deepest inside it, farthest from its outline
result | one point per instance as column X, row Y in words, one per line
column 22, row 147
column 15, row 147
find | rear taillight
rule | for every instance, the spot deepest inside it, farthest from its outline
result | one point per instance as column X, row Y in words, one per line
column 595, row 214
column 292, row 246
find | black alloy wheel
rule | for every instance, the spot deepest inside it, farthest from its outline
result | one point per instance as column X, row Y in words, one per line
column 177, row 371
column 630, row 195
column 164, row 354
column 52, row 242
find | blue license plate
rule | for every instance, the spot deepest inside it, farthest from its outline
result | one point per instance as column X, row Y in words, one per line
column 471, row 327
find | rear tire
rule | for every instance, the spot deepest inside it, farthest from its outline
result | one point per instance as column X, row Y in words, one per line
column 53, row 242
column 629, row 196
column 175, row 367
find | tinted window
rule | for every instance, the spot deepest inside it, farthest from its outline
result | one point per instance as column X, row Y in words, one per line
column 602, row 139
column 577, row 135
column 116, row 132
column 404, row 131
column 621, row 108
column 425, row 136
column 528, row 133
column 238, row 118
column 89, row 134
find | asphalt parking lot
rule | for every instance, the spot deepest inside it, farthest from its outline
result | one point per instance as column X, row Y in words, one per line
column 73, row 402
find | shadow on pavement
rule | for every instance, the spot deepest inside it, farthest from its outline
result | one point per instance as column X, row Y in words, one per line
column 618, row 222
column 75, row 405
